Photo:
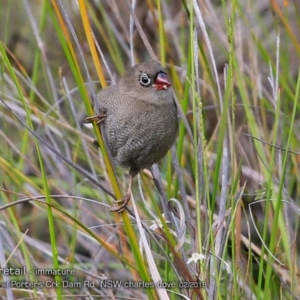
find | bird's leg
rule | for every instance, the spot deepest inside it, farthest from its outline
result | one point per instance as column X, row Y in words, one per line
column 125, row 200
column 98, row 118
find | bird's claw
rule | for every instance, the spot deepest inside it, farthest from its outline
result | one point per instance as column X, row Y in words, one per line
column 124, row 202
column 98, row 118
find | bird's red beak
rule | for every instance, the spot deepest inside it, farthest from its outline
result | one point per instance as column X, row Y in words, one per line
column 161, row 81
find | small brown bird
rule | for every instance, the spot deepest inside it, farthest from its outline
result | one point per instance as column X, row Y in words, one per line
column 140, row 119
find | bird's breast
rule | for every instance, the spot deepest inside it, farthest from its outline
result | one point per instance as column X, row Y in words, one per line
column 141, row 133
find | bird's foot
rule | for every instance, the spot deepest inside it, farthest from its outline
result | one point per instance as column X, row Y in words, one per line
column 99, row 118
column 124, row 202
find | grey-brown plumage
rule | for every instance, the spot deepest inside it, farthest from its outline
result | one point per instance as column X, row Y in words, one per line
column 140, row 121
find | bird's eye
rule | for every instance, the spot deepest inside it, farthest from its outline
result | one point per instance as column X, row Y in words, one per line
column 145, row 80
